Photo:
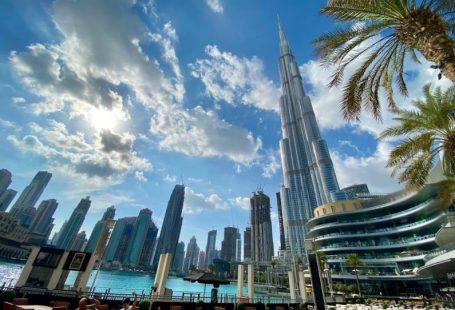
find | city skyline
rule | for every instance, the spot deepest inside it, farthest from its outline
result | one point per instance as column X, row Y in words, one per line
column 202, row 109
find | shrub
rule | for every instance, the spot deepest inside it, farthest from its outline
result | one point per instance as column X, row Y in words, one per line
column 385, row 307
column 240, row 306
column 303, row 305
column 8, row 296
column 144, row 305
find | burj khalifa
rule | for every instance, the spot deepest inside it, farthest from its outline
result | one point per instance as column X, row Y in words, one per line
column 309, row 176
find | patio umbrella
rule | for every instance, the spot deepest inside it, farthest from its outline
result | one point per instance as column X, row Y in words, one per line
column 206, row 278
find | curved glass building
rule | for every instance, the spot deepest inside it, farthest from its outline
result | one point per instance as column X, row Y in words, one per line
column 391, row 236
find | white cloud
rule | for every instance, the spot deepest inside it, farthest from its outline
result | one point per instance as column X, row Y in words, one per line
column 271, row 166
column 7, row 124
column 198, row 202
column 102, row 200
column 139, row 175
column 236, row 80
column 242, row 202
column 170, row 178
column 215, row 6
column 18, row 100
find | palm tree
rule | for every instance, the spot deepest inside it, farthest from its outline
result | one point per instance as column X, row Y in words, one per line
column 382, row 34
column 353, row 260
column 322, row 260
column 427, row 131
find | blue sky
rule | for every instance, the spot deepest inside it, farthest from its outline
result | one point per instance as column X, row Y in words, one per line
column 121, row 100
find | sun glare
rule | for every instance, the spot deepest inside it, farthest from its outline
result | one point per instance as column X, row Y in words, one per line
column 103, row 119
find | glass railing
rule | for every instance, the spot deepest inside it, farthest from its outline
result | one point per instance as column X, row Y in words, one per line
column 343, row 257
column 439, row 251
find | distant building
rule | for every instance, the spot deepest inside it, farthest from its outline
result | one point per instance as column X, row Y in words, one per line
column 179, row 257
column 80, row 242
column 43, row 221
column 201, row 261
column 354, row 190
column 261, row 228
column 228, row 245
column 5, row 180
column 100, row 226
column 12, row 236
column 238, row 249
column 6, row 198
column 247, row 244
column 145, row 260
column 138, row 237
column 23, row 208
column 280, row 222
column 210, row 248
column 172, row 224
column 192, row 255
column 70, row 229
column 120, row 238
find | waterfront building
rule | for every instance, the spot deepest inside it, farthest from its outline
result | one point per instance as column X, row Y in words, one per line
column 79, row 242
column 201, row 261
column 228, row 245
column 210, row 248
column 43, row 221
column 138, row 237
column 23, row 208
column 12, row 237
column 114, row 240
column 280, row 222
column 261, row 228
column 355, row 190
column 145, row 260
column 5, row 180
column 192, row 256
column 172, row 225
column 391, row 235
column 6, row 198
column 179, row 257
column 122, row 239
column 247, row 244
column 70, row 229
column 100, row 226
column 308, row 172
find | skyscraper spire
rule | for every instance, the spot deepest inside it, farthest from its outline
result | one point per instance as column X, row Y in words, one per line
column 284, row 46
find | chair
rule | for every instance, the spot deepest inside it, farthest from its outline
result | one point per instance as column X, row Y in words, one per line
column 8, row 306
column 103, row 307
column 20, row 301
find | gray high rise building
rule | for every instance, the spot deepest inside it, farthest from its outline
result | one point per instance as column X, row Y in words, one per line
column 177, row 264
column 23, row 208
column 201, row 261
column 229, row 244
column 261, row 228
column 247, row 244
column 172, row 224
column 70, row 229
column 145, row 260
column 5, row 180
column 100, row 226
column 192, row 255
column 138, row 237
column 6, row 198
column 119, row 241
column 43, row 222
column 280, row 222
column 79, row 242
column 308, row 172
column 210, row 248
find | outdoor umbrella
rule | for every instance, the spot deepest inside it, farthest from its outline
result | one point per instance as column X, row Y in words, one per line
column 206, row 278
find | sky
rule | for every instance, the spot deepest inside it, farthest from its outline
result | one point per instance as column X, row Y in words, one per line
column 121, row 100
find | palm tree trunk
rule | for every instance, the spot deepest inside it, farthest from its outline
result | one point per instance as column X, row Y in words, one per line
column 358, row 283
column 425, row 31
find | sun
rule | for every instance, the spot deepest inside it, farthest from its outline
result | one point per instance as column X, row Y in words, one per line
column 102, row 118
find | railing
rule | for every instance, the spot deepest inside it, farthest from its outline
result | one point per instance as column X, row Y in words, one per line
column 439, row 251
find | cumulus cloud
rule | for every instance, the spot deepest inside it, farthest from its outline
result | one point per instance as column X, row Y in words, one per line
column 215, row 6
column 139, row 175
column 241, row 202
column 7, row 124
column 272, row 164
column 236, row 80
column 170, row 178
column 198, row 202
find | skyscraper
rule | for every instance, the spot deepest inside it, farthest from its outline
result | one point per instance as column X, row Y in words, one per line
column 179, row 257
column 229, row 243
column 172, row 224
column 201, row 261
column 280, row 222
column 238, row 249
column 261, row 228
column 109, row 214
column 23, row 208
column 5, row 180
column 79, row 242
column 6, row 198
column 43, row 222
column 210, row 248
column 118, row 243
column 138, row 237
column 308, row 171
column 247, row 244
column 145, row 260
column 70, row 229
column 192, row 255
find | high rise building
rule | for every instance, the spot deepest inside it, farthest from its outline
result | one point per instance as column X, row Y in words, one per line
column 261, row 228
column 145, row 260
column 6, row 198
column 43, row 222
column 177, row 264
column 5, row 180
column 100, row 226
column 229, row 243
column 23, row 208
column 247, row 244
column 138, row 237
column 210, row 248
column 79, row 242
column 192, row 255
column 120, row 239
column 238, row 249
column 201, row 261
column 355, row 190
column 70, row 229
column 308, row 171
column 172, row 224
column 280, row 222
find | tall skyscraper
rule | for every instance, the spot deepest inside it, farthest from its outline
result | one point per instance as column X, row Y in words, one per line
column 238, row 249
column 210, row 248
column 118, row 243
column 100, row 226
column 79, row 242
column 43, row 222
column 247, row 244
column 70, row 229
column 145, row 260
column 280, row 222
column 6, row 198
column 138, row 237
column 201, row 261
column 5, row 180
column 308, row 171
column 229, row 243
column 179, row 257
column 172, row 224
column 261, row 228
column 192, row 255
column 23, row 208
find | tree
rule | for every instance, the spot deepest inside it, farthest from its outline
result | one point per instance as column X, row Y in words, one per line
column 353, row 260
column 427, row 131
column 382, row 34
column 322, row 260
